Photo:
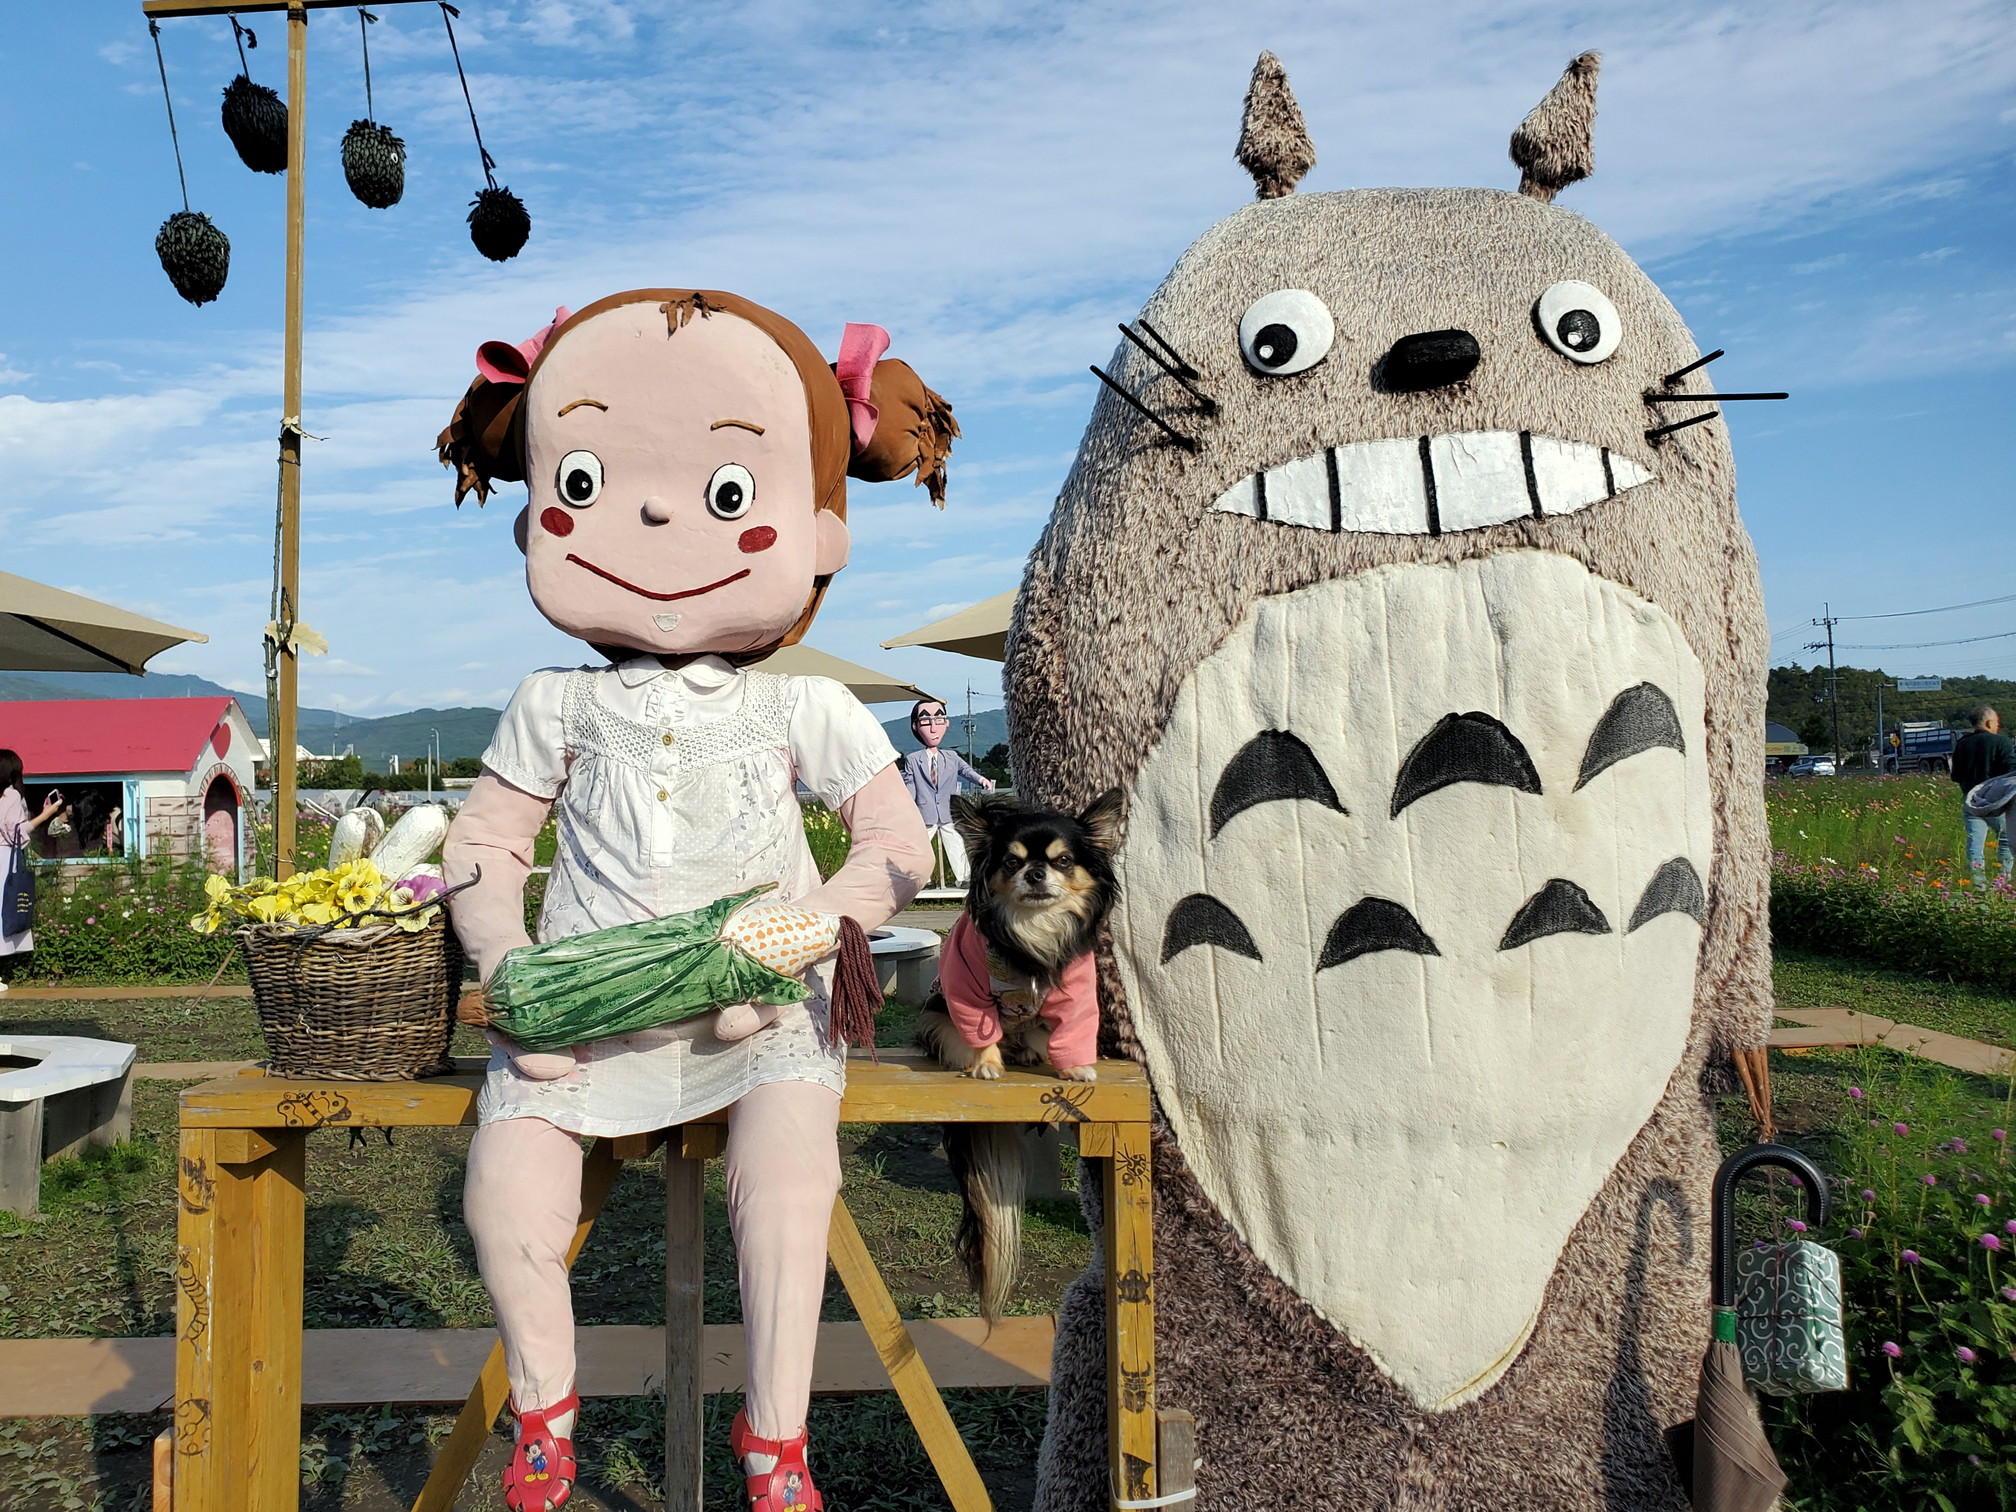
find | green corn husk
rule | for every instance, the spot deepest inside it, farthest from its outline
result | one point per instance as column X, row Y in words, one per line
column 632, row 977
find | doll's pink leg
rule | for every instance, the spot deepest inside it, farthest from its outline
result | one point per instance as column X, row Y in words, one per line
column 522, row 1202
column 783, row 1174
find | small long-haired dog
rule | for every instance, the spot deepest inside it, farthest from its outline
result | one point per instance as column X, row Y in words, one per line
column 1017, row 986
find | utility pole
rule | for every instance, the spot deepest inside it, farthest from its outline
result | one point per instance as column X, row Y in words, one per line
column 969, row 723
column 1829, row 619
column 1879, row 727
column 284, row 718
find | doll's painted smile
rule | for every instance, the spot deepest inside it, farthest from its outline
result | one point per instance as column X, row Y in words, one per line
column 663, row 598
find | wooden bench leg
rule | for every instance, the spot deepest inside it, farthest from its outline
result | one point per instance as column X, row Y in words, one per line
column 907, row 1371
column 1130, row 1314
column 486, row 1399
column 238, row 1324
column 686, row 1156
column 21, row 1157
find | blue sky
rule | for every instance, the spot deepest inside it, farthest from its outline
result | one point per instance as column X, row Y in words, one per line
column 1827, row 190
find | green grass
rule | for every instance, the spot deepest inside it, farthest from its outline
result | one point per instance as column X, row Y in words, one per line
column 1898, row 825
column 1813, row 981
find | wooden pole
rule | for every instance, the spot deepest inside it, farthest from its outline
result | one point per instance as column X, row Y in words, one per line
column 285, row 728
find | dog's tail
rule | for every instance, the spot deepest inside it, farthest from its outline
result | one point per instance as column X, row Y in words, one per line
column 988, row 1163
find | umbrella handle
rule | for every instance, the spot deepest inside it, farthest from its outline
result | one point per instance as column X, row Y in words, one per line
column 1733, row 1170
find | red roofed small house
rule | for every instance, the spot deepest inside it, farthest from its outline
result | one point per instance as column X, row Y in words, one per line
column 183, row 765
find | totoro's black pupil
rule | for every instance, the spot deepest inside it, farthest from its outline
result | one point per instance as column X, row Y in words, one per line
column 578, row 485
column 728, row 498
column 1274, row 345
column 1579, row 330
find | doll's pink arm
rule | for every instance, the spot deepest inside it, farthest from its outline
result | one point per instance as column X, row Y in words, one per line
column 889, row 860
column 1072, row 1011
column 494, row 830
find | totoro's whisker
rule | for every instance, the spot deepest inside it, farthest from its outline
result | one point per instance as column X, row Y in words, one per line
column 1210, row 405
column 1183, row 365
column 1699, row 362
column 1188, row 443
column 1677, row 425
column 1706, row 398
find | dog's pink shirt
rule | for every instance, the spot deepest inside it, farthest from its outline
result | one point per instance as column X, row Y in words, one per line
column 1071, row 1008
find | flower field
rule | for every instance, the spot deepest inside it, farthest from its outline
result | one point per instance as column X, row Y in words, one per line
column 1925, row 1225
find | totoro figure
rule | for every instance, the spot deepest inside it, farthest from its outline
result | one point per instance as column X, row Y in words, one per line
column 1432, row 663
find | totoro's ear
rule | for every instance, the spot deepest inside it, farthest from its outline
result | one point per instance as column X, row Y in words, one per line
column 1101, row 819
column 1554, row 146
column 1274, row 143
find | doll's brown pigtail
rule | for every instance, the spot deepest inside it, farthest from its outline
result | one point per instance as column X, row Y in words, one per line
column 914, row 432
column 485, row 443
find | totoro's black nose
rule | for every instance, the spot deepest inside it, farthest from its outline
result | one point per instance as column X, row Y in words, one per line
column 1430, row 360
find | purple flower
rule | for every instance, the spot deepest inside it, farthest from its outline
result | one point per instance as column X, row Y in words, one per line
column 1854, row 1233
column 1909, row 1257
column 2009, row 1227
column 1894, row 1351
column 424, row 886
column 1867, row 1195
column 1991, row 1241
column 1930, row 1179
column 1998, row 1135
column 2009, row 1293
column 1959, row 1147
column 1900, row 1128
column 1966, row 1355
column 1984, row 1199
column 1856, row 1093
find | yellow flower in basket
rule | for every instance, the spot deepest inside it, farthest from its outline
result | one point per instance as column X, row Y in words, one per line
column 216, row 889
column 265, row 909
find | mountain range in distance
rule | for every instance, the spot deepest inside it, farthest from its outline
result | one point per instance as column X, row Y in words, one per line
column 463, row 732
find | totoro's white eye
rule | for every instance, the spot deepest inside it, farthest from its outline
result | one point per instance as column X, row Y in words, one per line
column 1287, row 331
column 1578, row 321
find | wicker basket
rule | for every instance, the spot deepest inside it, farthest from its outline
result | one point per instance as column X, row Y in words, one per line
column 365, row 1004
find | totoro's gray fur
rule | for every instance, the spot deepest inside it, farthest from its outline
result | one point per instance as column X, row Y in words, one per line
column 1137, row 580
column 1555, row 145
column 1274, row 143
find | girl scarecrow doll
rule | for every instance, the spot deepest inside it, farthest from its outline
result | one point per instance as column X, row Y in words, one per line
column 686, row 455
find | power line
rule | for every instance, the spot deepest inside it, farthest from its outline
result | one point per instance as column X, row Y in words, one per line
column 1942, row 609
column 1923, row 645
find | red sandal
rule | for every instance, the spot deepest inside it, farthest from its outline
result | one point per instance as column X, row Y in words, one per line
column 541, row 1475
column 788, row 1486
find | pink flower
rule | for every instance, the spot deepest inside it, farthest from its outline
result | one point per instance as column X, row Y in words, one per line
column 1854, row 1233
column 1856, row 1093
column 1998, row 1135
column 1991, row 1241
column 1867, row 1195
column 2009, row 1293
column 1900, row 1128
column 1795, row 1225
column 2009, row 1227
column 1984, row 1199
column 1894, row 1351
column 1959, row 1147
column 1966, row 1355
column 1909, row 1257
column 1930, row 1179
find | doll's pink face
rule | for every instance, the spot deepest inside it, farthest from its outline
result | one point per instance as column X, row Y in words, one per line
column 929, row 725
column 671, row 485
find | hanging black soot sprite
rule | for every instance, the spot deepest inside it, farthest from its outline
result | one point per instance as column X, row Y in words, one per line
column 374, row 164
column 255, row 118
column 194, row 254
column 498, row 223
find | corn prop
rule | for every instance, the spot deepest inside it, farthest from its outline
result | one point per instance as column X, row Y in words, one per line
column 643, row 976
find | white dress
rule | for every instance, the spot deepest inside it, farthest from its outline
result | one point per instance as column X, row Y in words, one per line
column 675, row 787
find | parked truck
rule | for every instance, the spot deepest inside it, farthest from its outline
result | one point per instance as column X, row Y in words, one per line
column 1919, row 745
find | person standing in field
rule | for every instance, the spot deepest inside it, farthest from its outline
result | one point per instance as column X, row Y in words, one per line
column 17, row 835
column 1982, row 753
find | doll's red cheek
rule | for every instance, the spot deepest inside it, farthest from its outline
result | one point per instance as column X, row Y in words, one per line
column 556, row 522
column 761, row 538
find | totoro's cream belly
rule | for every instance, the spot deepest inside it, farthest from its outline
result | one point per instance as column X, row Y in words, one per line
column 1408, row 1136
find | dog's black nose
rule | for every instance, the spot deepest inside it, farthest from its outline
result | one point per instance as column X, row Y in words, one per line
column 1430, row 360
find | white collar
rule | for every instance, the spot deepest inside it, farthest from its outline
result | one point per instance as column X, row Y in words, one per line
column 703, row 674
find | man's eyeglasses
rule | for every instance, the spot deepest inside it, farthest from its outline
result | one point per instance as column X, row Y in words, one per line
column 933, row 719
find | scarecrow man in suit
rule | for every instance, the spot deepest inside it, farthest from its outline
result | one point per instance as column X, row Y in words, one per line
column 933, row 776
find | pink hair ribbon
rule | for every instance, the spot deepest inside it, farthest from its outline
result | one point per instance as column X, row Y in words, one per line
column 504, row 362
column 861, row 347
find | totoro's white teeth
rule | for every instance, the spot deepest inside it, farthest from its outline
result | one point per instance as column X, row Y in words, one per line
column 1425, row 485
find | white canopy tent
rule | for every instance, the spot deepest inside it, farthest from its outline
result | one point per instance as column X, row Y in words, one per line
column 981, row 630
column 865, row 683
column 44, row 629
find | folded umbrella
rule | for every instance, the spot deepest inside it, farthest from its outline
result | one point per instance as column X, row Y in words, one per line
column 1734, row 1469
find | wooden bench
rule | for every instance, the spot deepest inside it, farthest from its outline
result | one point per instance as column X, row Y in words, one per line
column 59, row 1095
column 237, row 1432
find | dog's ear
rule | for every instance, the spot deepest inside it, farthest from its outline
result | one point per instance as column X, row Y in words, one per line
column 973, row 818
column 1101, row 820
